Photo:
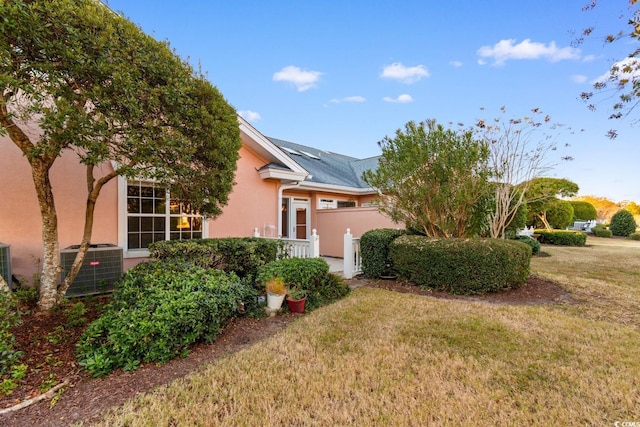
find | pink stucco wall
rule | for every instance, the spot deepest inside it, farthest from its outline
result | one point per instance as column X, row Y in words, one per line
column 332, row 224
column 252, row 203
column 20, row 223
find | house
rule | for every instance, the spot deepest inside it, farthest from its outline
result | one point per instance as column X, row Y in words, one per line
column 282, row 190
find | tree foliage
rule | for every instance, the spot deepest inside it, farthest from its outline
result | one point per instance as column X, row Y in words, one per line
column 583, row 211
column 622, row 82
column 560, row 214
column 605, row 208
column 518, row 150
column 542, row 194
column 622, row 223
column 433, row 179
column 96, row 85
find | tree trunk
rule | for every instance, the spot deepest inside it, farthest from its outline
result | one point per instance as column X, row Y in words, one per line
column 93, row 191
column 49, row 277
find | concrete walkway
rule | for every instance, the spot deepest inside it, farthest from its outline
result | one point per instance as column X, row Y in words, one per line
column 336, row 265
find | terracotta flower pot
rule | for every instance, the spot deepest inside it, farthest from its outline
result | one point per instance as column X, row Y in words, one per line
column 296, row 305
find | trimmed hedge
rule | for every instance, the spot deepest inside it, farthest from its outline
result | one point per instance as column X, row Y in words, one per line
column 461, row 266
column 533, row 243
column 601, row 231
column 157, row 311
column 308, row 274
column 634, row 236
column 374, row 250
column 243, row 256
column 562, row 237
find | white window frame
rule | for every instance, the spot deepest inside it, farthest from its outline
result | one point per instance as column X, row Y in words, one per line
column 332, row 203
column 123, row 223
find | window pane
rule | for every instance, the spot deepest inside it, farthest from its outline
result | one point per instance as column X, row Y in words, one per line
column 197, row 235
column 160, row 206
column 146, row 191
column 174, row 207
column 133, row 224
column 196, row 223
column 158, row 224
column 146, row 239
column 173, row 223
column 133, row 189
column 146, row 223
column 133, row 241
column 158, row 237
column 161, row 193
column 174, row 236
column 147, row 205
column 133, row 205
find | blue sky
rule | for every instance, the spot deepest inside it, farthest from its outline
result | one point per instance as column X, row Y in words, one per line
column 342, row 75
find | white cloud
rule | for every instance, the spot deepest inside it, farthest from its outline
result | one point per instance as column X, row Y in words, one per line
column 249, row 115
column 589, row 58
column 301, row 79
column 456, row 64
column 627, row 69
column 349, row 99
column 408, row 75
column 526, row 49
column 578, row 78
column 402, row 99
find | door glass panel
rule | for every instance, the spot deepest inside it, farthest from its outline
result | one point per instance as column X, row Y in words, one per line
column 301, row 223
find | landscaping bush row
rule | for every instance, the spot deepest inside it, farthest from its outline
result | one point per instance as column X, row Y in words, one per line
column 374, row 249
column 601, row 231
column 461, row 266
column 533, row 243
column 158, row 309
column 562, row 237
column 242, row 256
column 310, row 275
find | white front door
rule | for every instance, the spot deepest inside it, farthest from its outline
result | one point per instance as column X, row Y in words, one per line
column 299, row 219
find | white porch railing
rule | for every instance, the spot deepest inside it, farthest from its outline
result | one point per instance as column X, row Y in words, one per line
column 299, row 248
column 352, row 259
column 527, row 231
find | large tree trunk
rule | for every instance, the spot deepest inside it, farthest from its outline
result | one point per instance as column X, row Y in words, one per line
column 49, row 277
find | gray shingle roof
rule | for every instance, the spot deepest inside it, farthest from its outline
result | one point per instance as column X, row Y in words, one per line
column 327, row 167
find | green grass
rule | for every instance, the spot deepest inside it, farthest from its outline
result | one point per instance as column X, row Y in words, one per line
column 384, row 358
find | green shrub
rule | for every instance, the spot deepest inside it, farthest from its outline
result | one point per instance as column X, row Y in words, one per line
column 10, row 368
column 308, row 274
column 583, row 211
column 242, row 256
column 622, row 223
column 562, row 237
column 560, row 214
column 601, row 231
column 533, row 243
column 157, row 310
column 374, row 249
column 461, row 266
column 634, row 236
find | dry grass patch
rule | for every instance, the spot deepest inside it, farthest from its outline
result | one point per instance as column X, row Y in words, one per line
column 384, row 358
column 603, row 277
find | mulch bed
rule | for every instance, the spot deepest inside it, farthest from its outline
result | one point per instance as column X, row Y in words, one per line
column 50, row 355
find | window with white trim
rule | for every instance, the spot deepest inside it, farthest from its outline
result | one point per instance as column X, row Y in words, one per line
column 152, row 216
column 324, row 203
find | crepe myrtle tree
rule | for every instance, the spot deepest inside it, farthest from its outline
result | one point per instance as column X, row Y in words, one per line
column 622, row 81
column 433, row 179
column 97, row 86
column 519, row 151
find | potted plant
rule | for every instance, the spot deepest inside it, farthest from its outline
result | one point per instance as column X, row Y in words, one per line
column 275, row 293
column 296, row 300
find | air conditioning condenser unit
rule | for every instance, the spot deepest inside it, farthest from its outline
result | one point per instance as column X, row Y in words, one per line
column 101, row 268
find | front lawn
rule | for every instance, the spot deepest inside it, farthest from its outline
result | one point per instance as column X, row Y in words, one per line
column 381, row 357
